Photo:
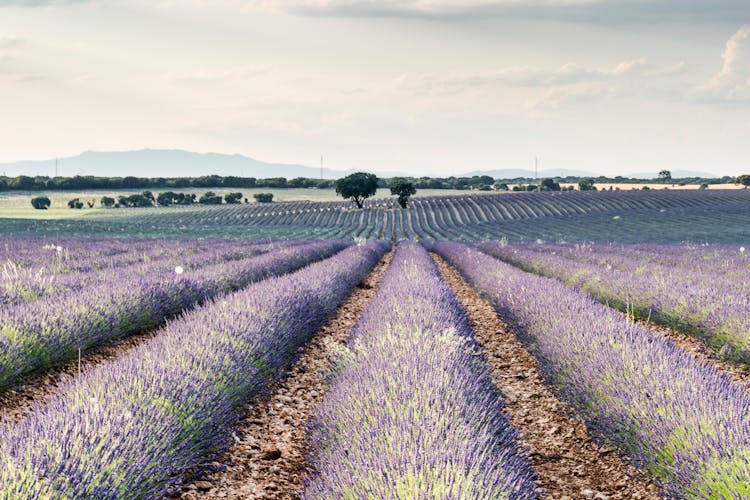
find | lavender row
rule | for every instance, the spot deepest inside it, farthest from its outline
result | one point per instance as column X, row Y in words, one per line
column 678, row 417
column 44, row 274
column 49, row 332
column 130, row 428
column 715, row 307
column 412, row 412
column 677, row 262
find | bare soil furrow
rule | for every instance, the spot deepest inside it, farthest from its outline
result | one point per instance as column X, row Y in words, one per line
column 267, row 459
column 570, row 463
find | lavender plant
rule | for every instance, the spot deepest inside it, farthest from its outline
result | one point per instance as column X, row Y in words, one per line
column 50, row 331
column 712, row 305
column 412, row 412
column 676, row 416
column 131, row 427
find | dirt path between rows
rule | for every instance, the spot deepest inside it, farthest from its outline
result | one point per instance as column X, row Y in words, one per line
column 569, row 463
column 37, row 388
column 267, row 459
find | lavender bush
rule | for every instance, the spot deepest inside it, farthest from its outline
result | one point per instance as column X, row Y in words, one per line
column 712, row 304
column 412, row 412
column 131, row 427
column 676, row 416
column 51, row 330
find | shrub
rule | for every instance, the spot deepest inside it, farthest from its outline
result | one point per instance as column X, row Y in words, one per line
column 233, row 198
column 41, row 202
column 210, row 198
column 75, row 203
column 263, row 197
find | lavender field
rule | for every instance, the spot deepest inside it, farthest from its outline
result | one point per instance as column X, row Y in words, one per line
column 132, row 367
column 666, row 216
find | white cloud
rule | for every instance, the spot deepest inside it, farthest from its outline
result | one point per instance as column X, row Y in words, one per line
column 521, row 76
column 732, row 82
column 10, row 41
column 19, row 78
column 222, row 75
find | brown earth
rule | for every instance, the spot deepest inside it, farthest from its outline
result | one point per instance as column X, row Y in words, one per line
column 267, row 459
column 569, row 462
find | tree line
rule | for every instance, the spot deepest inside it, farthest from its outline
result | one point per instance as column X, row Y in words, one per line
column 479, row 182
column 147, row 199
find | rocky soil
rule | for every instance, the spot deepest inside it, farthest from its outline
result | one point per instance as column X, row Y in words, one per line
column 569, row 462
column 267, row 459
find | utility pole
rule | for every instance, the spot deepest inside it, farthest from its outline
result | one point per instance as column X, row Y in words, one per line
column 55, row 167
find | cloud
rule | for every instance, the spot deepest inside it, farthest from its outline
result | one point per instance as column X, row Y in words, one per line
column 521, row 76
column 595, row 11
column 10, row 41
column 19, row 78
column 732, row 82
column 222, row 75
column 38, row 3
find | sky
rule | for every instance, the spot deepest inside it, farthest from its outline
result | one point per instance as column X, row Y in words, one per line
column 428, row 87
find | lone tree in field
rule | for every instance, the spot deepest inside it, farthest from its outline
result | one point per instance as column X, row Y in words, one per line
column 40, row 203
column 743, row 179
column 665, row 175
column 586, row 184
column 357, row 187
column 402, row 188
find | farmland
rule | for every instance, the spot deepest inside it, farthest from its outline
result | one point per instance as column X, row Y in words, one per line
column 624, row 216
column 516, row 345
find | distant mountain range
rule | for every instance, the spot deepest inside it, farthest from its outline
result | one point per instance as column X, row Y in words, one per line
column 164, row 163
column 180, row 163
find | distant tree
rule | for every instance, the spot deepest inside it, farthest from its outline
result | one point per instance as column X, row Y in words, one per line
column 501, row 186
column 233, row 198
column 532, row 187
column 665, row 175
column 402, row 188
column 743, row 179
column 357, row 187
column 149, row 196
column 263, row 197
column 586, row 184
column 645, row 188
column 144, row 199
column 107, row 201
column 549, row 184
column 75, row 203
column 184, row 199
column 703, row 186
column 91, row 203
column 519, row 187
column 484, row 187
column 41, row 202
column 166, row 198
column 210, row 198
